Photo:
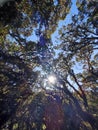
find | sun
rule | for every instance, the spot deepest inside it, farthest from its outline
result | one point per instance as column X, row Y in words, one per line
column 52, row 79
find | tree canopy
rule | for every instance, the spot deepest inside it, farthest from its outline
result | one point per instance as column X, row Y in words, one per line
column 41, row 91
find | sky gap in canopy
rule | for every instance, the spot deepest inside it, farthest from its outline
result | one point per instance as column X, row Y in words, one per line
column 66, row 21
column 55, row 35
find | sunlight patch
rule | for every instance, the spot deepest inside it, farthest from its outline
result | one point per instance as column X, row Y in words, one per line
column 52, row 79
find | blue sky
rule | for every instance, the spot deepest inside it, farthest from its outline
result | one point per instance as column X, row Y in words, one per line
column 78, row 67
column 67, row 20
column 55, row 35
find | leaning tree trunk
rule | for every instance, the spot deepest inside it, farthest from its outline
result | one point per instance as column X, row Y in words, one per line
column 83, row 114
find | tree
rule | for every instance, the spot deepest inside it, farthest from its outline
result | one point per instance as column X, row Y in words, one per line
column 79, row 46
column 18, row 57
column 25, row 66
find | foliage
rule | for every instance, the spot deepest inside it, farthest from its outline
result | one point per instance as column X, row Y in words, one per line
column 25, row 65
